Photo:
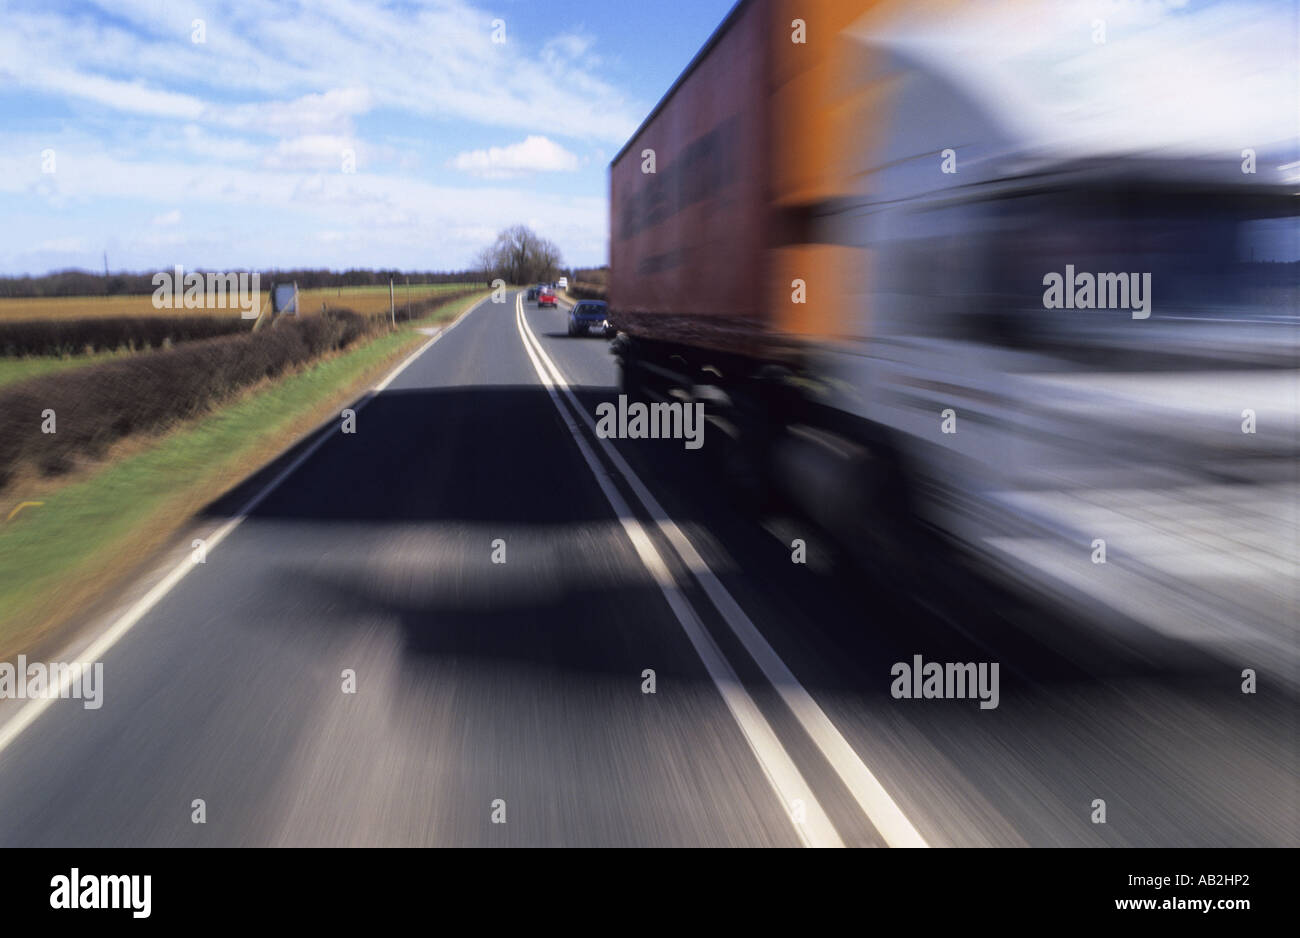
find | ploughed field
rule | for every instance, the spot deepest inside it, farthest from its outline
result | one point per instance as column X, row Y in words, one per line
column 364, row 300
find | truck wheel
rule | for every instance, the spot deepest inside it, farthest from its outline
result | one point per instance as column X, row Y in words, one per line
column 631, row 378
column 889, row 541
column 746, row 458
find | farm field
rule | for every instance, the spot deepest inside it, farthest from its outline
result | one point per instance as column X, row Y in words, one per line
column 365, row 299
column 83, row 307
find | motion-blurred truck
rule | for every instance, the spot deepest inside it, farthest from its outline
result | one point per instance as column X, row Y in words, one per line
column 1016, row 279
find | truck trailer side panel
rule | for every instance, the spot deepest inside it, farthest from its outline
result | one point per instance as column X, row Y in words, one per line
column 716, row 249
column 686, row 240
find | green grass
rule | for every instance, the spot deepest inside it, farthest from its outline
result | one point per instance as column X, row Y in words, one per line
column 19, row 369
column 88, row 529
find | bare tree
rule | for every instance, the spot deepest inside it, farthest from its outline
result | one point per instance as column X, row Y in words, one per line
column 519, row 255
column 485, row 265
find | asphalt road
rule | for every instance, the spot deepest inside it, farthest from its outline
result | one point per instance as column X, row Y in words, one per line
column 487, row 688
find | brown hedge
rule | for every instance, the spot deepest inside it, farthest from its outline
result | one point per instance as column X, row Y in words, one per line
column 77, row 336
column 587, row 291
column 99, row 404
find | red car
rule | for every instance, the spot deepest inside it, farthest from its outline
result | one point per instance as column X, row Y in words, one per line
column 546, row 297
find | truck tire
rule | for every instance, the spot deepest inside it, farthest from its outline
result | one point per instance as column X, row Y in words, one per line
column 887, row 539
column 631, row 377
column 747, row 459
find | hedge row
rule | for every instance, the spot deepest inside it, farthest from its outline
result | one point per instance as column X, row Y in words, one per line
column 136, row 333
column 587, row 291
column 96, row 405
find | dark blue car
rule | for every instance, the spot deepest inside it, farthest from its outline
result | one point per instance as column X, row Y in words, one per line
column 588, row 316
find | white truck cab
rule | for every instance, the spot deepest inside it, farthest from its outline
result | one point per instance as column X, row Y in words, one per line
column 1140, row 465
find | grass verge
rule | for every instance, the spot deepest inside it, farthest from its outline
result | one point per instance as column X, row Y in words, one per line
column 19, row 369
column 57, row 558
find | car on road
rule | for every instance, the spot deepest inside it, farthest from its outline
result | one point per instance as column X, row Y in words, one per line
column 546, row 297
column 563, row 283
column 532, row 294
column 589, row 316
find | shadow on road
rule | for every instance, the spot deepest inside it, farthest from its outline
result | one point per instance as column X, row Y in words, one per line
column 477, row 459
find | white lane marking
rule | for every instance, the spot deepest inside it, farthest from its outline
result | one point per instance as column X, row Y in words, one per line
column 783, row 775
column 870, row 795
column 97, row 649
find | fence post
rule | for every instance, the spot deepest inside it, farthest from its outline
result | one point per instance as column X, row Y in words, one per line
column 392, row 310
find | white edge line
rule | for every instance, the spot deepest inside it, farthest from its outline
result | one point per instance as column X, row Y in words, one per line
column 871, row 796
column 32, row 710
column 783, row 775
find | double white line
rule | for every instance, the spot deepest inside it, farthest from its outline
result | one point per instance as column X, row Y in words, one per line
column 805, row 812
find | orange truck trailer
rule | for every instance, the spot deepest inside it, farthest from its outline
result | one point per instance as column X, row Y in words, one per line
column 711, row 199
column 976, row 273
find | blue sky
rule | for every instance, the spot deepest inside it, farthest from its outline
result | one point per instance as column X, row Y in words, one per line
column 230, row 152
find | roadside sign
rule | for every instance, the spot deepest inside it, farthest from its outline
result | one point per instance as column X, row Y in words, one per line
column 284, row 298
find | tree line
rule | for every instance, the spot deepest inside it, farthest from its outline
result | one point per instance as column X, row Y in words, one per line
column 74, row 282
column 518, row 255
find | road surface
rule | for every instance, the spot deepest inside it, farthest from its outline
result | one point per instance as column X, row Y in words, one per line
column 514, row 691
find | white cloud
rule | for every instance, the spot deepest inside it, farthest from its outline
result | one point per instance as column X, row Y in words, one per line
column 330, row 111
column 534, row 154
column 132, row 96
column 245, row 134
column 564, row 50
column 194, row 140
column 310, row 68
column 69, row 245
column 311, row 152
column 383, row 220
